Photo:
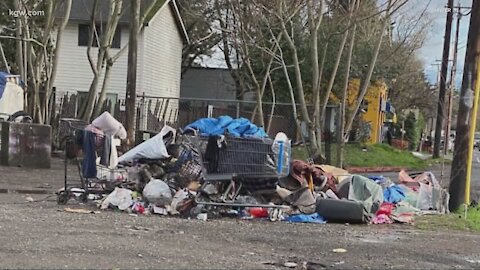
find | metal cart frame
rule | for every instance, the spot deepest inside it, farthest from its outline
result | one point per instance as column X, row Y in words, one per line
column 242, row 160
column 73, row 126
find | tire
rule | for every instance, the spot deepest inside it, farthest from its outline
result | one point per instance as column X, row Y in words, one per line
column 20, row 114
column 63, row 197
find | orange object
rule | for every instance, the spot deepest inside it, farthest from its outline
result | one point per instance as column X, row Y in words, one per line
column 310, row 182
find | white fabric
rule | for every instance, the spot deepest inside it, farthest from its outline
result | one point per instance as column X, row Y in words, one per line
column 113, row 155
column 153, row 148
column 110, row 126
column 12, row 99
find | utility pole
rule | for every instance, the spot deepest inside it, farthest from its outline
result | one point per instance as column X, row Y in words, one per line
column 131, row 94
column 453, row 74
column 459, row 176
column 443, row 80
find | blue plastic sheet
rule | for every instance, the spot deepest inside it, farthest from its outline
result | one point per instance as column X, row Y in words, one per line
column 393, row 194
column 303, row 218
column 240, row 127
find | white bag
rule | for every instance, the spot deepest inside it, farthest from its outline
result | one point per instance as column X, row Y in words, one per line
column 153, row 148
column 110, row 126
column 158, row 193
column 120, row 197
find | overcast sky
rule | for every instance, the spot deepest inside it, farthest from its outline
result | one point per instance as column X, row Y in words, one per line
column 433, row 47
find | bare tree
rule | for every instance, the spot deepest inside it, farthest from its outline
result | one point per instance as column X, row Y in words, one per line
column 343, row 96
column 37, row 56
column 392, row 6
column 111, row 59
column 106, row 39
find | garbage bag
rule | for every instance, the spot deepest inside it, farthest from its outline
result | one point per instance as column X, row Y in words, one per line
column 158, row 193
column 424, row 201
column 153, row 148
column 110, row 126
column 120, row 197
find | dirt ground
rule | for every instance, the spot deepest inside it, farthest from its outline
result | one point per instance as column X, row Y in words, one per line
column 40, row 234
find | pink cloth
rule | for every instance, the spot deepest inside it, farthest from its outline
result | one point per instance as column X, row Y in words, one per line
column 382, row 219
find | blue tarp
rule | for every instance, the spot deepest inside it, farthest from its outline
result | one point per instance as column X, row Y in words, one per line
column 393, row 194
column 3, row 82
column 303, row 218
column 240, row 127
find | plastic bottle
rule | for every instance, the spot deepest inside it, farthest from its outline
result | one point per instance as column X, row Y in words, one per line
column 281, row 148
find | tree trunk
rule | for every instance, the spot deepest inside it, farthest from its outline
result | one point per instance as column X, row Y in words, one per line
column 272, row 111
column 20, row 49
column 332, row 80
column 316, row 102
column 106, row 41
column 106, row 81
column 314, row 25
column 343, row 97
column 301, row 94
column 53, row 75
column 366, row 82
column 132, row 72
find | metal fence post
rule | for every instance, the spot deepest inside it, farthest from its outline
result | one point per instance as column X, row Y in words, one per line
column 238, row 109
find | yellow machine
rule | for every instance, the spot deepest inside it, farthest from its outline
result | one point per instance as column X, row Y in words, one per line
column 375, row 106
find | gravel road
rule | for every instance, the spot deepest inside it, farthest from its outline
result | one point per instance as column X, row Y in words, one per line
column 41, row 234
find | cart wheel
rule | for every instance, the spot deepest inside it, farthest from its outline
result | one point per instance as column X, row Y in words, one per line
column 63, row 197
column 84, row 197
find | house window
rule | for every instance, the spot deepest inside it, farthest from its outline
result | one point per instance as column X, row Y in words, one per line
column 84, row 34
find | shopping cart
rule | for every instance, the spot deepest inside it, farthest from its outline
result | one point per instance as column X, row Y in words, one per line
column 104, row 182
column 244, row 166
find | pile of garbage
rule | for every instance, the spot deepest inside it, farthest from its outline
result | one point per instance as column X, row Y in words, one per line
column 164, row 176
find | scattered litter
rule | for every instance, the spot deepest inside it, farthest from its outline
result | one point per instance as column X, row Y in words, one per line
column 202, row 216
column 290, row 264
column 80, row 211
column 338, row 263
column 139, row 228
column 339, row 250
column 188, row 175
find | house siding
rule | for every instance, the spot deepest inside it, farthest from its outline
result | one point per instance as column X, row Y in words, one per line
column 163, row 58
column 74, row 72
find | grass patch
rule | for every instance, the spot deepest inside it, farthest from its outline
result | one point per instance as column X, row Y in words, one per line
column 377, row 155
column 357, row 155
column 452, row 221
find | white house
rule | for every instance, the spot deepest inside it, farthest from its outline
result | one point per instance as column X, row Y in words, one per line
column 159, row 50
